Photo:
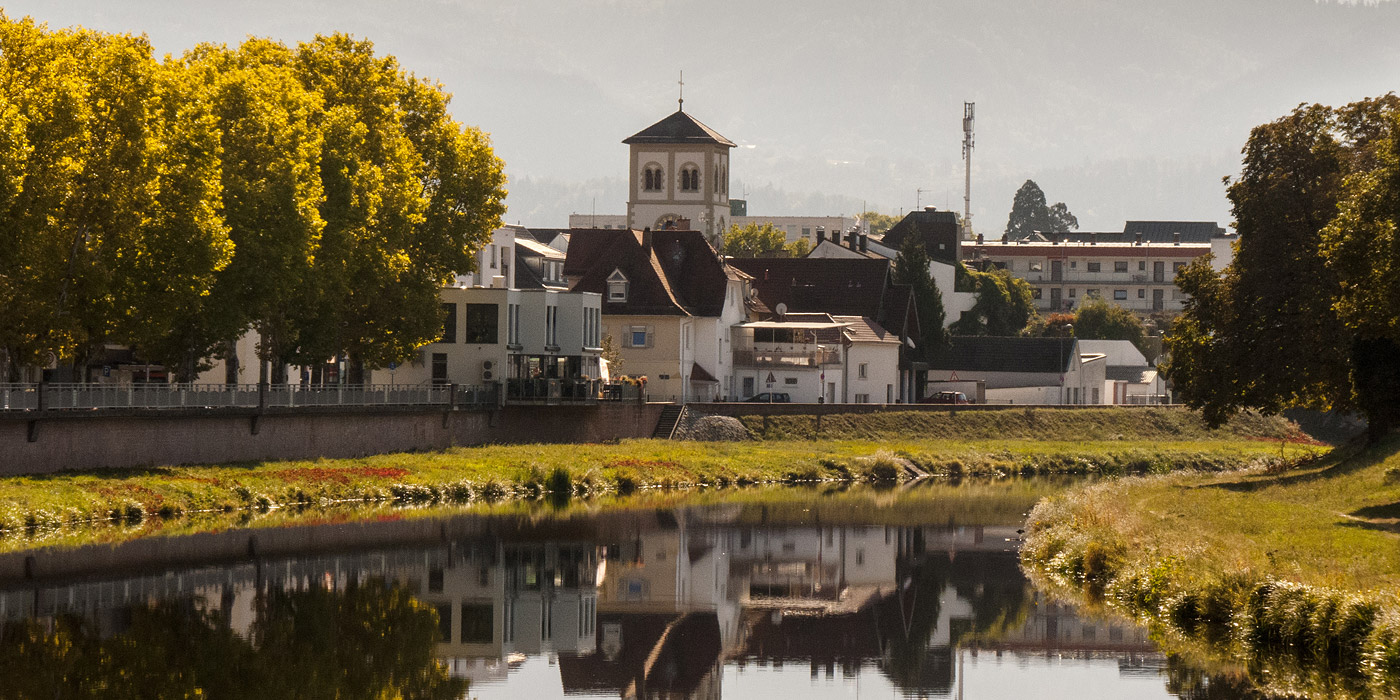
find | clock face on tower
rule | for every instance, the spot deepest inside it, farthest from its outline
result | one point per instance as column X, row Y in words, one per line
column 666, row 221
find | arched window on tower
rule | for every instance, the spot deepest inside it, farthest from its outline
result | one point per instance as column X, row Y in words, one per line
column 690, row 178
column 652, row 179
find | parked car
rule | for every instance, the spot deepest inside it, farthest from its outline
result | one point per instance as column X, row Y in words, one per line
column 770, row 397
column 948, row 397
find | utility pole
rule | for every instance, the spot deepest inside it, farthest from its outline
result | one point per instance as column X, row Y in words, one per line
column 919, row 199
column 968, row 108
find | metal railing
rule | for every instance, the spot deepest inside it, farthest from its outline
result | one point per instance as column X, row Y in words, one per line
column 69, row 397
column 786, row 358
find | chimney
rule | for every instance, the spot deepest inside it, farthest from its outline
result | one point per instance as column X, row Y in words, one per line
column 1176, row 238
column 646, row 240
column 864, row 242
column 1093, row 239
column 930, row 208
column 683, row 225
column 821, row 235
column 836, row 237
column 1137, row 240
column 851, row 241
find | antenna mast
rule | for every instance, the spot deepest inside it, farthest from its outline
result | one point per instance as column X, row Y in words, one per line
column 968, row 108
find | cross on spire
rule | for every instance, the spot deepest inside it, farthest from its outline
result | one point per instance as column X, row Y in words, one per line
column 681, row 100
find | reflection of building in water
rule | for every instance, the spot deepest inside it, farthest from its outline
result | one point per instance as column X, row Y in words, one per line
column 496, row 601
column 657, row 602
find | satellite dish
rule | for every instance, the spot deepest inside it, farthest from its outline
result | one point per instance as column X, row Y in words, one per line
column 781, row 309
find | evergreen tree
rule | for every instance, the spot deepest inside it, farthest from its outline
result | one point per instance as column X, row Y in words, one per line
column 1029, row 213
column 911, row 267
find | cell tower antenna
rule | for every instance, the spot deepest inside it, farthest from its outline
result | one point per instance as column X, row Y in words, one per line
column 968, row 108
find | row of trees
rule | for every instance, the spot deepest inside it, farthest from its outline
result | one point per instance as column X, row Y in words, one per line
column 1308, row 312
column 318, row 195
column 761, row 241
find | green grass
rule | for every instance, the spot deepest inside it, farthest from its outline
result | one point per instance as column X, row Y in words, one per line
column 465, row 475
column 1301, row 564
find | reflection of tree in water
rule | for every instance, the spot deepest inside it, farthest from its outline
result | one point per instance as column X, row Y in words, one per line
column 367, row 641
column 1191, row 683
column 992, row 585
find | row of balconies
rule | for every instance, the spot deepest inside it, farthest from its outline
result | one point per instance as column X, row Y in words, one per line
column 815, row 357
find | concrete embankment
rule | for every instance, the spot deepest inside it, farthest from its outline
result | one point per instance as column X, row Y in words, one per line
column 134, row 438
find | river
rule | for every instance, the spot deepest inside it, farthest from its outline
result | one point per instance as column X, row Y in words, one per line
column 817, row 593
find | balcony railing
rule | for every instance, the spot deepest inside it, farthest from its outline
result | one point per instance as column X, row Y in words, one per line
column 786, row 358
column 77, row 397
column 578, row 390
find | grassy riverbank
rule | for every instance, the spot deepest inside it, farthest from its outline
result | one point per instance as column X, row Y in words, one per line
column 1298, row 571
column 1153, row 441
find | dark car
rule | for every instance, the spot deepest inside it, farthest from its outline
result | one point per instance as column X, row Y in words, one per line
column 948, row 397
column 770, row 397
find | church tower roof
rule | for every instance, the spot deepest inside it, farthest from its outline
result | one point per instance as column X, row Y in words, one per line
column 679, row 128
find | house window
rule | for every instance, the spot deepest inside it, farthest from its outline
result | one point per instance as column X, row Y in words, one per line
column 1142, row 293
column 1071, row 292
column 860, row 370
column 806, row 232
column 617, row 287
column 1073, row 264
column 1120, row 294
column 1120, row 266
column 495, row 252
column 789, row 381
column 449, row 324
column 513, row 324
column 477, row 623
column 444, row 612
column 439, row 368
column 638, row 337
column 1035, row 292
column 481, row 323
column 862, row 398
column 1142, row 265
column 551, row 324
column 1095, row 267
column 1091, row 293
column 1177, row 267
column 1036, row 267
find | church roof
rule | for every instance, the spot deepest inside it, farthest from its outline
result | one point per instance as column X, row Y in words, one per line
column 678, row 128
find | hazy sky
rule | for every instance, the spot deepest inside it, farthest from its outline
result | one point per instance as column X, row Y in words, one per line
column 1121, row 109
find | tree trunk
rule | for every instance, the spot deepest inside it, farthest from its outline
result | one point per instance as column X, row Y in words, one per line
column 354, row 369
column 231, row 366
column 1376, row 381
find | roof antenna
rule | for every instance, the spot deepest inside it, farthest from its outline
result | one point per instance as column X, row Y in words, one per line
column 681, row 100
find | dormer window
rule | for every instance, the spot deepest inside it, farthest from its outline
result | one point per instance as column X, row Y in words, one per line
column 617, row 287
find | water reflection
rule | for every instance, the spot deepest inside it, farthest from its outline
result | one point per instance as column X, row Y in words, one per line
column 693, row 602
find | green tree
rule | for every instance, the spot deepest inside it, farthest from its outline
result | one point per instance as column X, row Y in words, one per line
column 1362, row 249
column 878, row 223
column 1097, row 319
column 759, row 241
column 1029, row 213
column 269, row 190
column 911, row 267
column 1289, row 322
column 1004, row 305
column 408, row 193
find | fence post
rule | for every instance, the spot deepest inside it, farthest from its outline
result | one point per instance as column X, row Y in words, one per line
column 262, row 396
column 452, row 397
column 43, row 389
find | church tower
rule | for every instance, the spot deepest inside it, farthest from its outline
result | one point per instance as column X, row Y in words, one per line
column 679, row 170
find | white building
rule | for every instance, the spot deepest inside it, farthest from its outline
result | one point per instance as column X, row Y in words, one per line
column 1020, row 370
column 817, row 358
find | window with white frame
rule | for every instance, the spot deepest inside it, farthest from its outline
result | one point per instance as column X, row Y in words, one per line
column 861, row 370
column 638, row 337
column 1120, row 295
column 862, row 398
column 617, row 287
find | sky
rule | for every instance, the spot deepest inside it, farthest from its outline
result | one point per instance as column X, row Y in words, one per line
column 1122, row 110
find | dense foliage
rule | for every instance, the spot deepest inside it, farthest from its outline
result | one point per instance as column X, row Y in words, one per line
column 761, row 241
column 1030, row 213
column 1305, row 315
column 319, row 195
column 1005, row 305
column 1095, row 319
